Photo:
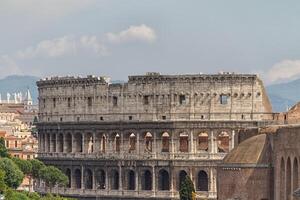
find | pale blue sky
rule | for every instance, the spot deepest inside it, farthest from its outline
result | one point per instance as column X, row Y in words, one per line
column 61, row 37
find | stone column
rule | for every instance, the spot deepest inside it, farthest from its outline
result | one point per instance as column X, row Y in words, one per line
column 137, row 188
column 232, row 140
column 211, row 142
column 138, row 143
column 95, row 147
column 51, row 143
column 73, row 143
column 56, row 142
column 82, row 177
column 120, row 178
column 83, row 142
column 154, row 146
column 192, row 142
column 94, row 179
column 153, row 180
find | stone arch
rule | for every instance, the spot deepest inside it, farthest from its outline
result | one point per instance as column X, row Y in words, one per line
column 78, row 143
column 165, row 142
column 295, row 175
column 203, row 141
column 132, row 142
column 282, row 179
column 60, row 142
column 288, row 181
column 202, row 181
column 103, row 143
column 88, row 179
column 115, row 178
column 183, row 142
column 163, row 180
column 117, row 143
column 147, row 180
column 89, row 143
column 77, row 178
column 223, row 142
column 148, row 142
column 100, row 179
column 68, row 142
column 130, row 180
column 181, row 177
column 68, row 174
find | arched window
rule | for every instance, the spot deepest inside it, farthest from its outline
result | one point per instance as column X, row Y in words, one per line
column 282, row 178
column 60, row 140
column 202, row 182
column 165, row 142
column 163, row 180
column 88, row 179
column 100, row 179
column 77, row 178
column 147, row 180
column 131, row 180
column 288, row 180
column 68, row 142
column 78, row 142
column 182, row 175
column 117, row 143
column 295, row 175
column 183, row 142
column 223, row 142
column 148, row 142
column 89, row 143
column 114, row 180
column 203, row 142
column 68, row 174
column 132, row 141
column 103, row 144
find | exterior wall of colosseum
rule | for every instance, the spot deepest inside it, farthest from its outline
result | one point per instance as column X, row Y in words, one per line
column 138, row 140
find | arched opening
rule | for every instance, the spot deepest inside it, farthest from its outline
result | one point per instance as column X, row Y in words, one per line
column 183, row 142
column 130, row 180
column 103, row 144
column 89, row 143
column 53, row 142
column 288, row 180
column 202, row 182
column 163, row 180
column 147, row 180
column 295, row 174
column 148, row 142
column 117, row 143
column 88, row 179
column 282, row 179
column 203, row 142
column 114, row 180
column 223, row 142
column 77, row 178
column 78, row 142
column 100, row 179
column 68, row 141
column 60, row 141
column 182, row 175
column 165, row 142
column 132, row 141
column 68, row 174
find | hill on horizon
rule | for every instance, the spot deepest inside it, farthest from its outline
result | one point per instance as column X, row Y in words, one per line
column 282, row 95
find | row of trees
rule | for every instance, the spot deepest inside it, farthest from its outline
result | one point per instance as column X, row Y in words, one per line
column 13, row 171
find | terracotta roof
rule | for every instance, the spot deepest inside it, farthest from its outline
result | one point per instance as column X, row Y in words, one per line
column 249, row 151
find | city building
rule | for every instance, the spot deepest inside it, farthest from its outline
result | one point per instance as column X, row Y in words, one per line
column 139, row 139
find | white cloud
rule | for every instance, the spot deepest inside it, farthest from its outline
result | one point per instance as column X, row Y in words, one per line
column 285, row 70
column 133, row 33
column 8, row 66
column 63, row 46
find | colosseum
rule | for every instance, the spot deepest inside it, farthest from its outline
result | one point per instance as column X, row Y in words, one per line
column 139, row 139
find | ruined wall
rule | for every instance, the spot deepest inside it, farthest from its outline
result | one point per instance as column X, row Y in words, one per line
column 154, row 97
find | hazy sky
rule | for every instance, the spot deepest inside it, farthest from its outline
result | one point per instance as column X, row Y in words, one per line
column 118, row 38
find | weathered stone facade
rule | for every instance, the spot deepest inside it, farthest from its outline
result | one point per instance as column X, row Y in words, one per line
column 139, row 139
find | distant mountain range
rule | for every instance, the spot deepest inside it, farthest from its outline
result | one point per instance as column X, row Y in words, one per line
column 282, row 96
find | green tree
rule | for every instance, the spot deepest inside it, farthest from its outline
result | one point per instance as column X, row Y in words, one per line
column 13, row 175
column 187, row 189
column 24, row 165
column 2, row 182
column 36, row 168
column 3, row 149
column 53, row 176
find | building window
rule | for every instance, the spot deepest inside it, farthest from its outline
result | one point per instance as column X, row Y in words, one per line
column 54, row 102
column 69, row 102
column 203, row 142
column 165, row 142
column 16, row 144
column 78, row 119
column 115, row 101
column 146, row 100
column 148, row 142
column 89, row 101
column 164, row 117
column 44, row 103
column 223, row 99
column 101, row 119
column 181, row 99
column 184, row 142
column 130, row 117
column 61, row 119
column 118, row 143
column 223, row 142
column 132, row 141
column 202, row 181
